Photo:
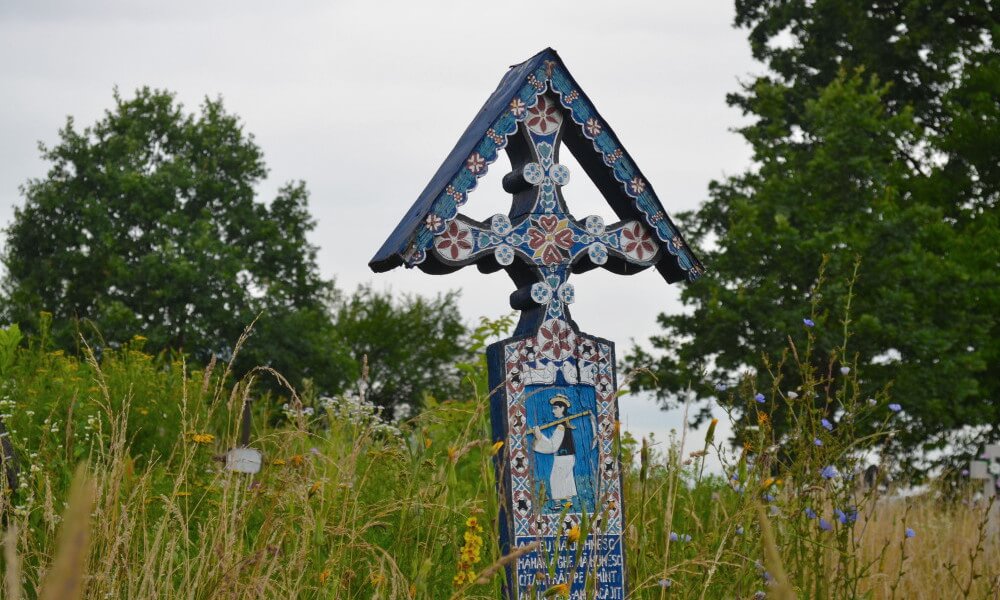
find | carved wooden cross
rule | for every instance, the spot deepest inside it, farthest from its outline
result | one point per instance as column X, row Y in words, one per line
column 539, row 243
column 553, row 401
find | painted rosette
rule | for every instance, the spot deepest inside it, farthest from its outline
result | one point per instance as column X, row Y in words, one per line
column 636, row 242
column 556, row 339
column 541, row 293
column 455, row 242
column 594, row 225
column 504, row 255
column 533, row 173
column 559, row 174
column 567, row 293
column 598, row 253
column 500, row 224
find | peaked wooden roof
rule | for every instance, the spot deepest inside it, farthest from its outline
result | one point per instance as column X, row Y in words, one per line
column 592, row 142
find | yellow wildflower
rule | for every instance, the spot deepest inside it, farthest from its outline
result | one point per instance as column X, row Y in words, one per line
column 496, row 448
column 297, row 460
column 573, row 534
column 427, row 443
column 278, row 462
column 452, row 454
column 559, row 589
column 767, row 482
column 762, row 418
column 202, row 438
column 315, row 488
column 473, row 523
column 324, row 576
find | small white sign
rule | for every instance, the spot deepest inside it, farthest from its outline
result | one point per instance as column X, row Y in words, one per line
column 243, row 460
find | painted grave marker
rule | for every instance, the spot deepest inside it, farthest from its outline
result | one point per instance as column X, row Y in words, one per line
column 554, row 402
column 987, row 469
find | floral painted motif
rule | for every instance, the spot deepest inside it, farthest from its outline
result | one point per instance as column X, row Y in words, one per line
column 593, row 127
column 504, row 255
column 637, row 185
column 556, row 339
column 549, row 237
column 636, row 242
column 541, row 292
column 559, row 174
column 517, row 107
column 435, row 223
column 598, row 253
column 456, row 241
column 533, row 173
column 544, row 117
column 594, row 225
column 475, row 163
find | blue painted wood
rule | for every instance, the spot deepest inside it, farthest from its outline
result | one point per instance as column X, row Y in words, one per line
column 526, row 377
column 554, row 402
column 592, row 142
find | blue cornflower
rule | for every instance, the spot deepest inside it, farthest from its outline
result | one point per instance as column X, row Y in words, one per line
column 739, row 530
column 818, row 442
column 768, row 498
column 824, row 524
column 829, row 472
column 826, row 424
column 808, row 322
column 895, row 407
column 759, row 398
column 810, row 513
column 673, row 536
column 666, row 583
column 910, row 533
column 845, row 517
column 720, row 387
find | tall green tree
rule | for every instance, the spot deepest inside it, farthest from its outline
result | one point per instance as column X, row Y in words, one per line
column 873, row 136
column 410, row 346
column 147, row 223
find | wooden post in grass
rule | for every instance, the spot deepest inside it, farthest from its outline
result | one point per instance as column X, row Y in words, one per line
column 987, row 469
column 552, row 479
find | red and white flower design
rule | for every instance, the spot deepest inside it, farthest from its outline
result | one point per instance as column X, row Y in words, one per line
column 434, row 223
column 636, row 242
column 475, row 163
column 638, row 185
column 549, row 237
column 593, row 127
column 544, row 117
column 455, row 242
column 517, row 107
column 556, row 339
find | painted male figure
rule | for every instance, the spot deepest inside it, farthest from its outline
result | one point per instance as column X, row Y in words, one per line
column 562, row 485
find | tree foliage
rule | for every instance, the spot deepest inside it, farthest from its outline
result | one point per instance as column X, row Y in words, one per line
column 874, row 136
column 147, row 223
column 408, row 346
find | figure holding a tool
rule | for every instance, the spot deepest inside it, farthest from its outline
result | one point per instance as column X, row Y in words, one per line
column 562, row 484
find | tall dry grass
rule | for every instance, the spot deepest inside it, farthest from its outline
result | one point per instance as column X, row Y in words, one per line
column 349, row 506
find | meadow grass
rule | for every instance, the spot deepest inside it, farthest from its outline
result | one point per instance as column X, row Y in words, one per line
column 122, row 495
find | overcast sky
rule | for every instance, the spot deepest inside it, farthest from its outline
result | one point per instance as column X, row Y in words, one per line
column 363, row 100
